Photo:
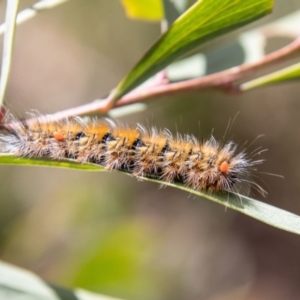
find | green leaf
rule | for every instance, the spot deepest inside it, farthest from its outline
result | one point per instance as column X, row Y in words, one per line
column 263, row 212
column 8, row 159
column 151, row 10
column 205, row 20
column 17, row 283
column 289, row 73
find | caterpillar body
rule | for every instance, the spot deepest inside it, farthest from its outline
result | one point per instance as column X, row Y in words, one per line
column 202, row 165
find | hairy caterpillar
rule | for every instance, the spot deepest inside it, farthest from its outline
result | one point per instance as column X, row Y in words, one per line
column 201, row 165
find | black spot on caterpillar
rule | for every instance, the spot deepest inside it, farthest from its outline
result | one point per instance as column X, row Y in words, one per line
column 202, row 165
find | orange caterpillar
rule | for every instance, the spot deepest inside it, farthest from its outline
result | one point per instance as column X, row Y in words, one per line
column 206, row 165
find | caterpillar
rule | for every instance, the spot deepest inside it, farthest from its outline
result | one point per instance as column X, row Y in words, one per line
column 202, row 165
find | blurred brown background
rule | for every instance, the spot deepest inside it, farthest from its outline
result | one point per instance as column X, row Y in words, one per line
column 111, row 234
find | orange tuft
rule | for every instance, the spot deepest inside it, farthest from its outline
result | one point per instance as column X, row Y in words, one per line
column 58, row 136
column 224, row 167
column 201, row 165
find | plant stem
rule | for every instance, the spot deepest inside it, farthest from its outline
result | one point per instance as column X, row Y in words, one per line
column 225, row 79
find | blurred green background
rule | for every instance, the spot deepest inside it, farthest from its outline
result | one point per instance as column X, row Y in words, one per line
column 114, row 235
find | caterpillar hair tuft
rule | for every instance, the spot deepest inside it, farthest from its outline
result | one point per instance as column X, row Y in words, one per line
column 202, row 165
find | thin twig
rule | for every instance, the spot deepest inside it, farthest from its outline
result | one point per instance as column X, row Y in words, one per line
column 10, row 21
column 224, row 79
column 32, row 11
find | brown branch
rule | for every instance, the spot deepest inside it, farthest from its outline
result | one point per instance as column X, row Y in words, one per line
column 224, row 79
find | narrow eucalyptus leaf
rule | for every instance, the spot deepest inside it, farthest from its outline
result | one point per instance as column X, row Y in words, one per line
column 204, row 21
column 263, row 212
